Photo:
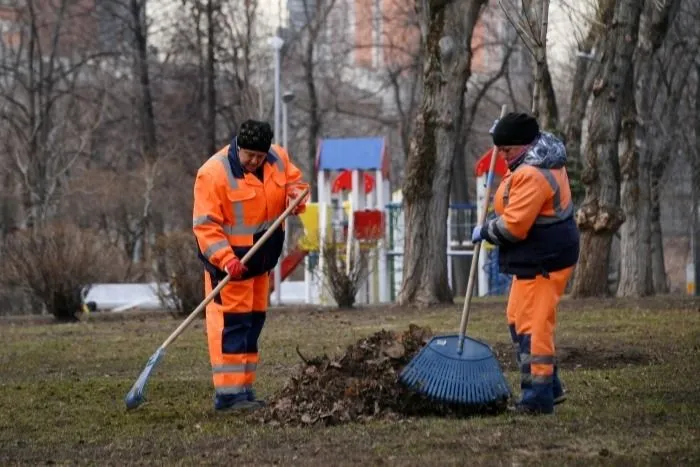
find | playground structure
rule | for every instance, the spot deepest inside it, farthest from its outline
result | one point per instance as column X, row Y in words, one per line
column 356, row 211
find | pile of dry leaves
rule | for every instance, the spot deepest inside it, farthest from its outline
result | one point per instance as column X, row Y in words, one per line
column 361, row 384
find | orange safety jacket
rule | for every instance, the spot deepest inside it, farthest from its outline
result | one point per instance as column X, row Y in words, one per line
column 535, row 228
column 233, row 209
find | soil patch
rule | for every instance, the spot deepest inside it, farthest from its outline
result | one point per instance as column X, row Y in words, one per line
column 360, row 385
column 595, row 357
column 590, row 357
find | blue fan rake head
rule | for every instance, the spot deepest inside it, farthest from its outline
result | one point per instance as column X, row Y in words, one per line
column 442, row 373
column 135, row 396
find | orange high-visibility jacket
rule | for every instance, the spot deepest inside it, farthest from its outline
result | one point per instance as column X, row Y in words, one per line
column 534, row 227
column 233, row 209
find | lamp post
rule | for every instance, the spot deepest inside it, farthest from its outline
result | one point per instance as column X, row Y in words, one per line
column 286, row 99
column 276, row 43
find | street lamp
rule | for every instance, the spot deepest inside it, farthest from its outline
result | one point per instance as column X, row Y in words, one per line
column 286, row 99
column 276, row 43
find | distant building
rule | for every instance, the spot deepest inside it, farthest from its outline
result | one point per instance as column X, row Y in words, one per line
column 384, row 33
column 83, row 25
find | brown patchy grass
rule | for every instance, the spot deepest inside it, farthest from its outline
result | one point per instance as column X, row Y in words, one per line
column 632, row 369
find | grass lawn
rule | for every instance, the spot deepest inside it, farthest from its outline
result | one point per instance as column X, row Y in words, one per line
column 632, row 369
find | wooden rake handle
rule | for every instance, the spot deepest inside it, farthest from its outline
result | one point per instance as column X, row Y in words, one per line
column 244, row 260
column 477, row 247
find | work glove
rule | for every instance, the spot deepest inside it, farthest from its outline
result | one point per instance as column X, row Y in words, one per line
column 476, row 234
column 235, row 268
column 291, row 196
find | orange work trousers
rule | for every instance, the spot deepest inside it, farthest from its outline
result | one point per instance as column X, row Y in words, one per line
column 235, row 320
column 531, row 311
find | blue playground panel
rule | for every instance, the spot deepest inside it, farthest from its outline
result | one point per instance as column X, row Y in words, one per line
column 351, row 154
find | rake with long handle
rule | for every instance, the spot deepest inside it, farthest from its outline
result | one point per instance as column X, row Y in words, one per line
column 455, row 369
column 477, row 248
column 135, row 396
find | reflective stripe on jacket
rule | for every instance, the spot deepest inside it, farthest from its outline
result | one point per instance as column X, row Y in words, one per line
column 534, row 227
column 233, row 208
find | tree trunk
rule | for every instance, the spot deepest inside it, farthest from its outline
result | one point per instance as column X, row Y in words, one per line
column 314, row 110
column 658, row 263
column 548, row 109
column 695, row 225
column 600, row 215
column 660, row 157
column 663, row 142
column 586, row 71
column 211, row 78
column 695, row 182
column 544, row 102
column 636, row 264
column 146, row 113
column 146, row 116
column 635, row 232
column 429, row 167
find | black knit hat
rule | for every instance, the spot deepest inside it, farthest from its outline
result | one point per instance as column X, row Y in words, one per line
column 255, row 136
column 515, row 129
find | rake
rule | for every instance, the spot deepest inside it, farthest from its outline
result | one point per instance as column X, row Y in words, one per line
column 456, row 370
column 136, row 395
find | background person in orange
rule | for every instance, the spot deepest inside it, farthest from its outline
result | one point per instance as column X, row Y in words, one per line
column 238, row 194
column 538, row 244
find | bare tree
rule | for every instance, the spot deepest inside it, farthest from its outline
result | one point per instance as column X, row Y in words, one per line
column 403, row 69
column 50, row 111
column 600, row 215
column 212, row 8
column 586, row 70
column 309, row 59
column 531, row 26
column 146, row 119
column 667, row 135
column 636, row 155
column 447, row 28
column 695, row 180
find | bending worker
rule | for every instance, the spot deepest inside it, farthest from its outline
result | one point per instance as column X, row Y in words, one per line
column 538, row 244
column 238, row 194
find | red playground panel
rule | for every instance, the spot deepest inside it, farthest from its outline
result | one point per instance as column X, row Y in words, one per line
column 289, row 264
column 369, row 224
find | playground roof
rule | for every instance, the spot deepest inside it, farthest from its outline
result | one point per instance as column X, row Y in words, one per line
column 482, row 165
column 352, row 154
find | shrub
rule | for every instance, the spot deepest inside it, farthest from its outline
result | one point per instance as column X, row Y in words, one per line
column 343, row 286
column 181, row 269
column 55, row 262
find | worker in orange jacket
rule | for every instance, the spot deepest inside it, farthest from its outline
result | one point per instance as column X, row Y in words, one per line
column 538, row 243
column 238, row 194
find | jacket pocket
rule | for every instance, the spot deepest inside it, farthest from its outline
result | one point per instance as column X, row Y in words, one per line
column 276, row 193
column 241, row 195
column 280, row 178
column 242, row 206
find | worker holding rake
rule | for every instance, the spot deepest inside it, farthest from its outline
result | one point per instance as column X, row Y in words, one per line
column 238, row 194
column 538, row 242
